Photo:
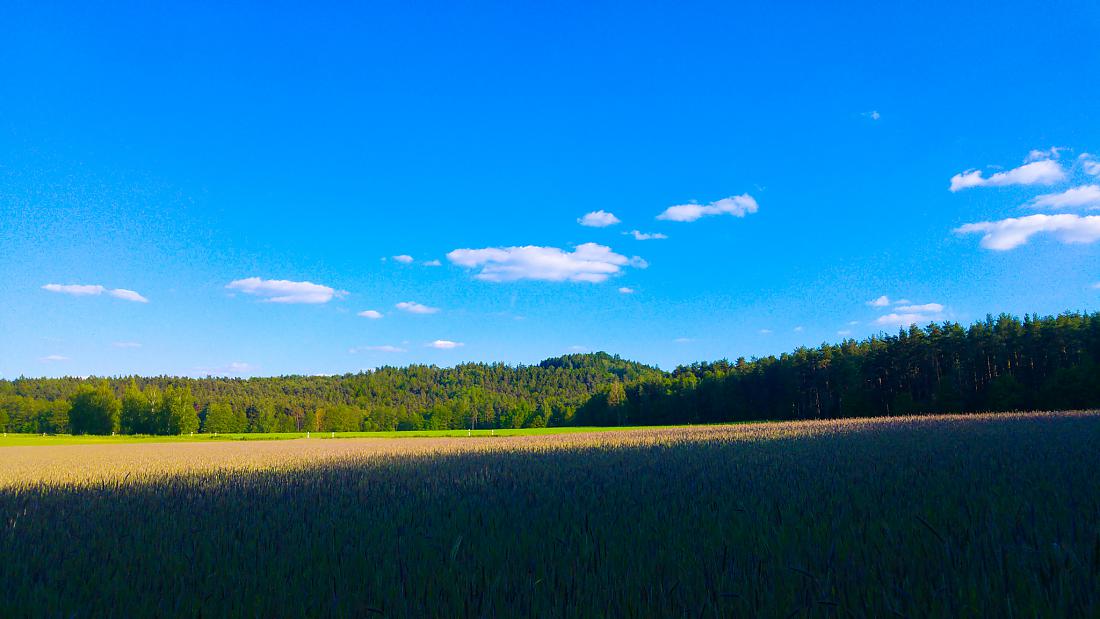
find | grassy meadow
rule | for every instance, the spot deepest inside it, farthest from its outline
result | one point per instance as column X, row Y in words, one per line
column 954, row 516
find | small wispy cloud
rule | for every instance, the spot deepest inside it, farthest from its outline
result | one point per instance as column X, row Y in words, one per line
column 91, row 290
column 285, row 291
column 844, row 332
column 927, row 308
column 1039, row 154
column 377, row 348
column 413, row 307
column 625, row 290
column 433, row 263
column 873, row 115
column 236, row 367
column 372, row 314
column 53, row 358
column 799, row 329
column 444, row 344
column 598, row 219
column 1042, row 172
column 403, row 259
column 684, row 340
column 646, row 236
column 882, row 301
column 1090, row 164
column 737, row 206
column 766, row 332
column 126, row 344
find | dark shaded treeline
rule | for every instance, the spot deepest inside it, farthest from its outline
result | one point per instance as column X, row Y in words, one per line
column 998, row 364
column 1001, row 363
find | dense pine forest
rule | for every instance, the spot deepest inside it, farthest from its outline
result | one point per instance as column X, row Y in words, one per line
column 997, row 364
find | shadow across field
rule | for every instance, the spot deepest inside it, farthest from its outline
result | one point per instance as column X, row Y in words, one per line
column 919, row 517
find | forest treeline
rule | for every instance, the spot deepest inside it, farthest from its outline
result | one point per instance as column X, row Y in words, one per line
column 998, row 364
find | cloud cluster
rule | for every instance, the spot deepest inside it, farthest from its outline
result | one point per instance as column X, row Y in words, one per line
column 903, row 313
column 645, row 236
column 589, row 262
column 403, row 259
column 738, row 206
column 598, row 219
column 285, row 291
column 372, row 314
column 86, row 290
column 1016, row 231
column 1042, row 172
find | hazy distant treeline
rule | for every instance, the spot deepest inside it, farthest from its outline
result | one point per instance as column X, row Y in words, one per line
column 997, row 364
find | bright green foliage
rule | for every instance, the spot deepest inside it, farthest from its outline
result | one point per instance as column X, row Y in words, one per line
column 178, row 411
column 341, row 418
column 94, row 410
column 222, row 419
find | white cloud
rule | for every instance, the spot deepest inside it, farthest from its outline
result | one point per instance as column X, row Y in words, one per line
column 799, row 329
column 284, row 291
column 927, row 308
column 901, row 320
column 738, row 206
column 882, row 301
column 127, row 295
column 76, row 290
column 598, row 219
column 645, row 236
column 903, row 302
column 380, row 348
column 625, row 290
column 1039, row 155
column 126, row 344
column 433, row 263
column 589, row 262
column 1090, row 164
column 444, row 344
column 873, row 115
column 403, row 259
column 416, row 308
column 53, row 358
column 844, row 332
column 1044, row 172
column 1096, row 286
column 372, row 314
column 684, row 340
column 1015, row 231
column 578, row 348
column 765, row 332
column 1085, row 196
column 86, row 290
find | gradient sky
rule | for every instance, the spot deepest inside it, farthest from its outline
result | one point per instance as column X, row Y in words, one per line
column 172, row 177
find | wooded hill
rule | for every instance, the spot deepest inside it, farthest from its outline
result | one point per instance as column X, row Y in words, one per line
column 997, row 364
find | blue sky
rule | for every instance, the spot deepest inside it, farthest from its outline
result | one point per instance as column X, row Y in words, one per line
column 229, row 188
